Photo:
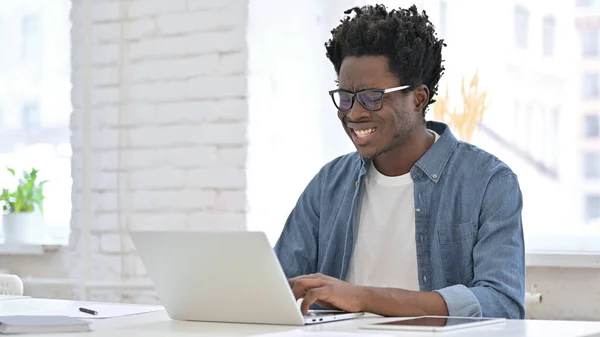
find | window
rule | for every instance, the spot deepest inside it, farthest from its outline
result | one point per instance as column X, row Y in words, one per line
column 591, row 126
column 591, row 86
column 592, row 207
column 548, row 127
column 591, row 165
column 548, row 32
column 30, row 115
column 551, row 180
column 521, row 27
column 444, row 19
column 590, row 39
column 34, row 118
column 584, row 3
column 3, row 60
column 31, row 45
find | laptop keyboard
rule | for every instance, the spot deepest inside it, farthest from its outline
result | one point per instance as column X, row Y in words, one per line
column 317, row 313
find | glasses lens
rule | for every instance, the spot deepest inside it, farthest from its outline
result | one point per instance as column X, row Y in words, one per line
column 371, row 100
column 342, row 100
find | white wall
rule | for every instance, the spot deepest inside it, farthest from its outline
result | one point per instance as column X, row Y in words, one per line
column 567, row 293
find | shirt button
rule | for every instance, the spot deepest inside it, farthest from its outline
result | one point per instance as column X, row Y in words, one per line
column 425, row 278
column 356, row 183
column 434, row 176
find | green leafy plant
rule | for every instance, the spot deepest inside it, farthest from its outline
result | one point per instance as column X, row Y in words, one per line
column 27, row 196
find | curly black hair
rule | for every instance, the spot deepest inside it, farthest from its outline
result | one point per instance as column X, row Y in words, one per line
column 405, row 36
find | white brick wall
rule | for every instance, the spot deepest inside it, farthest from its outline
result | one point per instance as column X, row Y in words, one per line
column 169, row 118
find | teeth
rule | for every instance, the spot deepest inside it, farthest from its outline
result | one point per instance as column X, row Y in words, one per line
column 364, row 133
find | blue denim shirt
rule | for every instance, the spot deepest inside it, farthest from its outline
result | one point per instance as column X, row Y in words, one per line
column 469, row 233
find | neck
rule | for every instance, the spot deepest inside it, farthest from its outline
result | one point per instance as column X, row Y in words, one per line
column 400, row 159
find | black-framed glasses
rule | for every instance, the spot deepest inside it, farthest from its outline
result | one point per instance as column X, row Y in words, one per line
column 370, row 99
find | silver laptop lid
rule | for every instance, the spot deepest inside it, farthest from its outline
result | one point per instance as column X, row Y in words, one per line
column 217, row 276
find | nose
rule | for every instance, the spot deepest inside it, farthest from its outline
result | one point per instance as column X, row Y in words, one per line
column 358, row 112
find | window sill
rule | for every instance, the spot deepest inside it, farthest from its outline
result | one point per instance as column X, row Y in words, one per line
column 562, row 259
column 533, row 258
column 27, row 248
column 52, row 242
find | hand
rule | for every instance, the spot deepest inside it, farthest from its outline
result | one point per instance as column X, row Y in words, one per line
column 327, row 292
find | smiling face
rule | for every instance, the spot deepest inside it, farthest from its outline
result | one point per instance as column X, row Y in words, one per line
column 377, row 132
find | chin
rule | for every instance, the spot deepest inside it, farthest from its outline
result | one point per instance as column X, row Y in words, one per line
column 367, row 153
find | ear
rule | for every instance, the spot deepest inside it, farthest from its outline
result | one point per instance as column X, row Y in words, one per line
column 421, row 95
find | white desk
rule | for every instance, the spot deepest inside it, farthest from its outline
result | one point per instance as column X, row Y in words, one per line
column 159, row 324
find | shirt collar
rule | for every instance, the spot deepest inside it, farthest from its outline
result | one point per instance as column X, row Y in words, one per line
column 433, row 162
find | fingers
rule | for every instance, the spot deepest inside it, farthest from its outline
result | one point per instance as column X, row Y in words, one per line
column 293, row 280
column 313, row 295
column 326, row 305
column 302, row 286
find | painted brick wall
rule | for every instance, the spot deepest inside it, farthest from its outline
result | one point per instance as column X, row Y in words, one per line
column 168, row 123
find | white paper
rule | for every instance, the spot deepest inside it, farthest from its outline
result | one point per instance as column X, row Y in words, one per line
column 30, row 306
column 106, row 310
column 34, row 306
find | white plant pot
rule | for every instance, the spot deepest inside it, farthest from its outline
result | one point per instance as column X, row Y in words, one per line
column 22, row 227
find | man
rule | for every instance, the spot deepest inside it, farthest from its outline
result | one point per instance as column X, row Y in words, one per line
column 414, row 222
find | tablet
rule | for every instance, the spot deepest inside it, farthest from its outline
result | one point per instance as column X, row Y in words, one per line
column 434, row 323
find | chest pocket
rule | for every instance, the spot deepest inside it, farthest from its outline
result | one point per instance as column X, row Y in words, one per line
column 456, row 246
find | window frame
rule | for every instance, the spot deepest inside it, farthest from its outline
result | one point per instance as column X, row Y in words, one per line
column 548, row 36
column 594, row 35
column 522, row 41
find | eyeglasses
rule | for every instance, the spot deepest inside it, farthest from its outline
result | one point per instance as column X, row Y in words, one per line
column 370, row 99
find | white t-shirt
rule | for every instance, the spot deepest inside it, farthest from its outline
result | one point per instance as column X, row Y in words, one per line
column 385, row 252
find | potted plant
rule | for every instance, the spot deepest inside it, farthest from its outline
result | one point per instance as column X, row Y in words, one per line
column 22, row 220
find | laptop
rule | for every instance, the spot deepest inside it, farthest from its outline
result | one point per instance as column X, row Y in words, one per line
column 229, row 276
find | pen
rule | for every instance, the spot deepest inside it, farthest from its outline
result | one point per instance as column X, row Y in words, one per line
column 88, row 311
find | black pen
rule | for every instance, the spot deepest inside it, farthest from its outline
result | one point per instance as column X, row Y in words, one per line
column 88, row 311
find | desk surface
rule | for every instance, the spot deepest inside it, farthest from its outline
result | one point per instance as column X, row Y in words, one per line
column 159, row 324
